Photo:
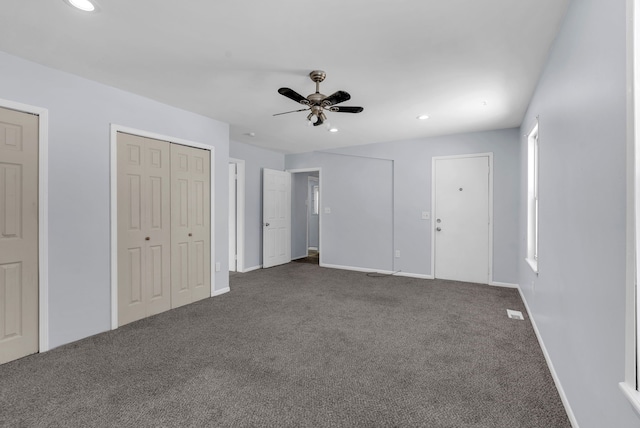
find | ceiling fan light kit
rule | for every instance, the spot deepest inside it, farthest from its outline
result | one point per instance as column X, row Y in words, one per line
column 318, row 103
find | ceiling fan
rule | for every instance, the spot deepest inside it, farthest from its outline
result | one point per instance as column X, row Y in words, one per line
column 316, row 103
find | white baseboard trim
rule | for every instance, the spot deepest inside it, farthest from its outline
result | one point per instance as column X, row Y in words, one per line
column 632, row 395
column 414, row 275
column 554, row 375
column 249, row 269
column 503, row 284
column 383, row 272
column 357, row 269
column 313, row 248
column 221, row 291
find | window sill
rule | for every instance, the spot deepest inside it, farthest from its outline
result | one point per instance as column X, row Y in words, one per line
column 533, row 264
column 632, row 395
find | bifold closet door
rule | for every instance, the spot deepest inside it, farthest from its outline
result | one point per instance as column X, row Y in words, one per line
column 190, row 224
column 18, row 234
column 144, row 227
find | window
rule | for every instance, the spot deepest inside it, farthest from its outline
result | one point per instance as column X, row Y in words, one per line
column 532, row 198
column 316, row 207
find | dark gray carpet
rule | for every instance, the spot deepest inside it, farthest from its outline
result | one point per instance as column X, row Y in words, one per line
column 295, row 346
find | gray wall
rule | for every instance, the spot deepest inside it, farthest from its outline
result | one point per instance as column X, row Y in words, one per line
column 358, row 190
column 578, row 299
column 256, row 159
column 80, row 113
column 405, row 186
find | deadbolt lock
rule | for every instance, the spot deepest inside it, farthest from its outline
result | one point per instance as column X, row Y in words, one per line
column 438, row 229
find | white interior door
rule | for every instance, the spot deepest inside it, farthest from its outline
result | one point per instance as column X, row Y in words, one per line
column 232, row 217
column 462, row 218
column 18, row 234
column 276, row 218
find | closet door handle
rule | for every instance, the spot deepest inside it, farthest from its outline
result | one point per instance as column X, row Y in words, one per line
column 190, row 234
column 147, row 238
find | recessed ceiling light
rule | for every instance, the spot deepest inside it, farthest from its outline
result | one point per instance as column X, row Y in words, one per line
column 333, row 129
column 423, row 117
column 84, row 5
column 484, row 103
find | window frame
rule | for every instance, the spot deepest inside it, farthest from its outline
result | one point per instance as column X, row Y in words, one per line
column 631, row 384
column 533, row 181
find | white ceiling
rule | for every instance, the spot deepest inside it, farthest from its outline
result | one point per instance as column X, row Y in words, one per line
column 226, row 59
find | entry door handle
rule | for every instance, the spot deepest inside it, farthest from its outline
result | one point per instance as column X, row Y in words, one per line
column 438, row 229
column 266, row 224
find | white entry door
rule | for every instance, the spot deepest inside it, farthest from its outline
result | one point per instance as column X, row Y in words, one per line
column 276, row 218
column 18, row 234
column 461, row 220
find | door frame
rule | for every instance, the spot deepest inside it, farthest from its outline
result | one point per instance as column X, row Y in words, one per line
column 240, row 209
column 319, row 170
column 433, row 208
column 309, row 209
column 43, row 216
column 113, row 175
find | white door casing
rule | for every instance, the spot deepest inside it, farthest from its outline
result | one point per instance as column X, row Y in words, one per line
column 276, row 218
column 232, row 218
column 462, row 218
column 19, row 281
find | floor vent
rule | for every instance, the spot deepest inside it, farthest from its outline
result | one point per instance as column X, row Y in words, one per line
column 515, row 315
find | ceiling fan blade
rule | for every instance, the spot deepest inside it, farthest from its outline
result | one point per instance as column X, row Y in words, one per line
column 291, row 94
column 336, row 98
column 292, row 111
column 345, row 109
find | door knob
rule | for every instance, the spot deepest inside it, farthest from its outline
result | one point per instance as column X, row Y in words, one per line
column 438, row 229
column 147, row 238
column 266, row 224
column 191, row 234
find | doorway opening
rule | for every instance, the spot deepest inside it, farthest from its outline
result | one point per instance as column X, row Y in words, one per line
column 305, row 216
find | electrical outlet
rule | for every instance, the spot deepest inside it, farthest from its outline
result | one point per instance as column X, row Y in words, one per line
column 397, row 254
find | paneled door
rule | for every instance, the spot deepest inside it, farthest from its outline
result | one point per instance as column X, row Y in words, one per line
column 18, row 234
column 462, row 218
column 190, row 224
column 276, row 218
column 144, row 227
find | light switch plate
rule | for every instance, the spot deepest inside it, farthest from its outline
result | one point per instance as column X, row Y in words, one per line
column 426, row 215
column 327, row 210
column 217, row 266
